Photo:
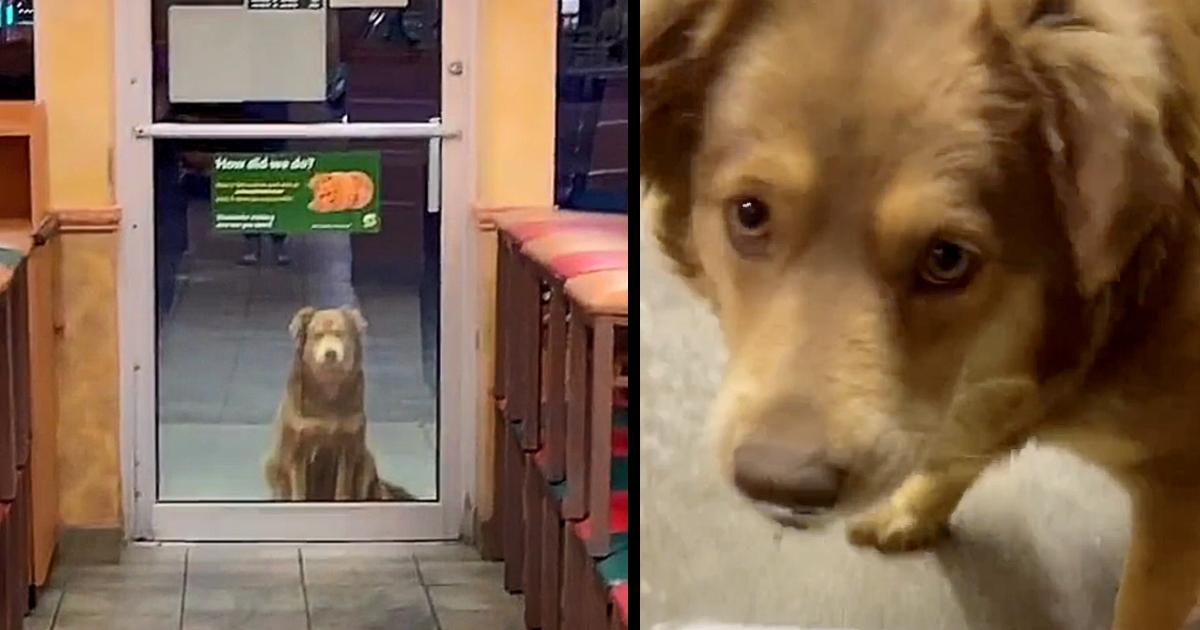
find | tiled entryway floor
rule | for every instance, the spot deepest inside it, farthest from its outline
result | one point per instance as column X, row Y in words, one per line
column 282, row 587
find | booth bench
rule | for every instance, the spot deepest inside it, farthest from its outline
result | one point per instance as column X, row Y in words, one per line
column 560, row 393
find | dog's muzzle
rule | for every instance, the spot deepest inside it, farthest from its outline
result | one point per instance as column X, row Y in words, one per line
column 328, row 352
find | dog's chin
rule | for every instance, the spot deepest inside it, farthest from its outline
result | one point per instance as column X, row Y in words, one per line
column 855, row 500
column 331, row 370
column 795, row 518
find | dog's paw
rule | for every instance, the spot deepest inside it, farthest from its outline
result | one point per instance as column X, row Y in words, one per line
column 892, row 530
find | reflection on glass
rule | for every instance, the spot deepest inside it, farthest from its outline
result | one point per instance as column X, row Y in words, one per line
column 300, row 366
column 592, row 162
column 384, row 65
column 16, row 50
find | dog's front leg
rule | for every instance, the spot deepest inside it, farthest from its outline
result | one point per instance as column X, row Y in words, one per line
column 298, row 473
column 369, row 487
column 918, row 513
column 346, row 469
column 1162, row 568
column 278, row 480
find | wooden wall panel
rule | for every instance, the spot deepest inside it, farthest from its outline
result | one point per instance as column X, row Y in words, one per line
column 89, row 421
column 487, row 536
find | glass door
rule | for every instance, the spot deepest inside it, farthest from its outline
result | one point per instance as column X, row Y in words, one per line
column 293, row 312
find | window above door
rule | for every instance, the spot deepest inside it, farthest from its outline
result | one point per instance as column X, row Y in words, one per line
column 330, row 61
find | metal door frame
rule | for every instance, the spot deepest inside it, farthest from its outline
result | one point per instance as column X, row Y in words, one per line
column 450, row 139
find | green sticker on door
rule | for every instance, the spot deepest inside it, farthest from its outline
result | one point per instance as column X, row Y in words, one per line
column 293, row 193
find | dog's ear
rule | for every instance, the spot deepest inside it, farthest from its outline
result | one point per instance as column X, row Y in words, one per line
column 300, row 321
column 682, row 44
column 356, row 318
column 1101, row 82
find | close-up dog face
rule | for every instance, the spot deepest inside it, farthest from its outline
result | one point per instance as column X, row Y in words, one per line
column 903, row 215
column 329, row 340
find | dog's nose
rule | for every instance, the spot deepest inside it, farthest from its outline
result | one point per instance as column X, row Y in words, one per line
column 797, row 477
column 331, row 355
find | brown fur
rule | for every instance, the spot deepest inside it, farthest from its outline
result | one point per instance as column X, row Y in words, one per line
column 321, row 449
column 1057, row 138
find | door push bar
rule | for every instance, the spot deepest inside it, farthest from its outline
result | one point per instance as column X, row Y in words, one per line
column 294, row 131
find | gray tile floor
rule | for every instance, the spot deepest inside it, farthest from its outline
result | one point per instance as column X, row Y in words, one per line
column 375, row 586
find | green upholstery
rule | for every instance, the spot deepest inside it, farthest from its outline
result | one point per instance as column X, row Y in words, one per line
column 615, row 568
column 11, row 258
column 619, row 476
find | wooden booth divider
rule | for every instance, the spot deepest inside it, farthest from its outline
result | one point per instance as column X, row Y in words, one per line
column 29, row 329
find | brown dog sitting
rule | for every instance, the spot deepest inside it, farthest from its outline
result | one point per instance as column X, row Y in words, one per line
column 321, row 449
column 933, row 230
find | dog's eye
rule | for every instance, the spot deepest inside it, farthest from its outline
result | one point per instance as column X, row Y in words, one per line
column 749, row 225
column 947, row 264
